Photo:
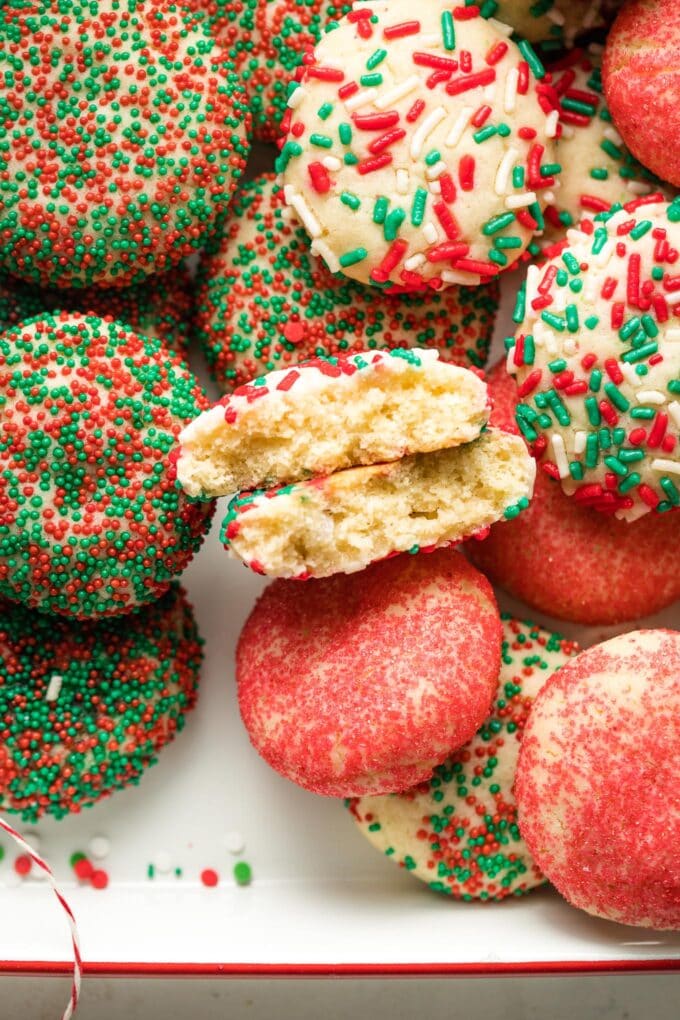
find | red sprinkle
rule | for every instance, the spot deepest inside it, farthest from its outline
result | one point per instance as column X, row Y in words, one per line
column 209, row 876
column 415, row 111
column 496, row 53
column 22, row 864
column 320, row 178
column 471, row 81
column 325, row 73
column 402, row 29
column 369, row 166
column 466, row 172
column 376, row 121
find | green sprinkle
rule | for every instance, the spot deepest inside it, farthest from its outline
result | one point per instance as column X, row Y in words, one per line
column 345, row 133
column 556, row 321
column 288, row 152
column 592, row 450
column 498, row 257
column 615, row 465
column 392, row 224
column 529, row 349
column 448, row 31
column 595, row 381
column 641, row 229
column 630, row 456
column 599, row 173
column 529, row 54
column 371, row 80
column 599, row 240
column 558, row 365
column 571, row 312
column 616, row 396
column 576, row 106
column 670, row 489
column 325, row 110
column 243, row 873
column 508, row 242
column 630, row 482
column 350, row 258
column 351, row 159
column 348, row 199
column 640, row 353
column 592, row 321
column 645, row 413
column 418, row 207
column 380, row 209
column 497, row 223
column 375, row 59
column 576, row 470
column 520, row 304
column 486, row 132
column 322, row 141
column 518, row 177
column 571, row 263
column 649, row 326
column 548, row 169
column 433, row 157
column 611, row 149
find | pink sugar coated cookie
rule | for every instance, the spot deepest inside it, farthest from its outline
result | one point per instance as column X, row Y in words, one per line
column 570, row 561
column 363, row 684
column 597, row 780
column 642, row 79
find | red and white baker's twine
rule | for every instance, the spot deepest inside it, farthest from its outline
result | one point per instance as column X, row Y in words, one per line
column 77, row 961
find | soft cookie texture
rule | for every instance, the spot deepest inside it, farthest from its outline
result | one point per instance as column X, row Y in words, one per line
column 347, row 520
column 92, row 522
column 597, row 168
column 125, row 134
column 86, row 707
column 597, row 360
column 162, row 306
column 458, row 830
column 597, row 780
column 642, row 79
column 570, row 561
column 265, row 301
column 357, row 685
column 420, row 150
column 330, row 414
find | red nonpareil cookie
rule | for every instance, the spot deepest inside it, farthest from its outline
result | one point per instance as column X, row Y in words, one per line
column 642, row 79
column 597, row 780
column 364, row 683
column 570, row 561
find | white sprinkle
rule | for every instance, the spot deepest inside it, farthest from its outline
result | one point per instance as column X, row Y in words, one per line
column 551, row 122
column 672, row 334
column 674, row 412
column 435, row 187
column 612, row 135
column 305, row 215
column 500, row 26
column 162, row 862
column 430, row 232
column 460, row 123
column 518, row 201
column 504, row 168
column 331, row 163
column 360, row 99
column 570, row 346
column 629, row 374
column 288, row 193
column 425, row 129
column 638, row 187
column 296, row 97
column 580, row 438
column 510, row 365
column 510, row 94
column 650, row 397
column 453, row 276
column 560, row 455
column 321, row 249
column 397, row 93
column 431, row 39
column 414, row 262
column 99, row 847
column 670, row 466
column 549, row 197
column 234, row 842
column 54, row 687
column 403, row 181
column 432, row 172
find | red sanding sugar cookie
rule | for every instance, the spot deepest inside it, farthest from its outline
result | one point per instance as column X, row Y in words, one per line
column 597, row 780
column 363, row 683
column 570, row 561
column 641, row 73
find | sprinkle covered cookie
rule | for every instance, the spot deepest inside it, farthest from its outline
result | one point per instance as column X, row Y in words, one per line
column 458, row 830
column 356, row 685
column 86, row 707
column 92, row 521
column 597, row 359
column 570, row 561
column 420, row 148
column 349, row 519
column 597, row 780
column 559, row 21
column 265, row 301
column 162, row 306
column 597, row 167
column 125, row 136
column 329, row 414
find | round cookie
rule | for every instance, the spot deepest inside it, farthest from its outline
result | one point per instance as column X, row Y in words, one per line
column 86, row 707
column 556, row 21
column 641, row 72
column 570, row 561
column 162, row 306
column 597, row 780
column 92, row 521
column 356, row 685
column 126, row 135
column 458, row 830
column 265, row 301
column 597, row 360
column 597, row 168
column 420, row 152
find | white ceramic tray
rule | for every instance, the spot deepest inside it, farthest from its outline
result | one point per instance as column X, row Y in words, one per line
column 321, row 900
